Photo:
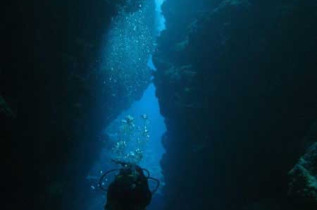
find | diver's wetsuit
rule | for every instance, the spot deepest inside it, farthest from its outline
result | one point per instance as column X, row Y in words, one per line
column 129, row 190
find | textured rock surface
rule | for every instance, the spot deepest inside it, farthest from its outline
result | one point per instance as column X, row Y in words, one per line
column 303, row 177
column 5, row 109
column 236, row 82
column 49, row 77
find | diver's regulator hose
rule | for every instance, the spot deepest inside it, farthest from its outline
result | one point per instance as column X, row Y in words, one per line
column 103, row 176
column 101, row 185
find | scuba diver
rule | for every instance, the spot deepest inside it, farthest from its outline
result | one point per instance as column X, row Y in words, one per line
column 130, row 188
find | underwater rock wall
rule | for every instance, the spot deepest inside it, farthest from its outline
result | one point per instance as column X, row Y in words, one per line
column 303, row 176
column 50, row 78
column 303, row 184
column 236, row 83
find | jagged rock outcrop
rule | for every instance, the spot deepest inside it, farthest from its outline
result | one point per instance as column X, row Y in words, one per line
column 303, row 176
column 303, row 185
column 236, row 83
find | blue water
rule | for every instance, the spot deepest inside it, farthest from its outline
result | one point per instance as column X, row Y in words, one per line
column 153, row 149
column 125, row 58
column 160, row 20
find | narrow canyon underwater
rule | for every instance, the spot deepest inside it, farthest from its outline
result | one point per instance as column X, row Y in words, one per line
column 215, row 100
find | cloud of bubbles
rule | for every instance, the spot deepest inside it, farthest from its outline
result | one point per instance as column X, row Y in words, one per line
column 130, row 42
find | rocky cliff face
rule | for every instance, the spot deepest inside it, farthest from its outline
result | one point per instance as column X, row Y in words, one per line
column 52, row 101
column 236, row 83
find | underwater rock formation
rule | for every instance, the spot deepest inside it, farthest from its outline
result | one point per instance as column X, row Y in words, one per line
column 50, row 74
column 236, row 83
column 303, row 180
column 5, row 109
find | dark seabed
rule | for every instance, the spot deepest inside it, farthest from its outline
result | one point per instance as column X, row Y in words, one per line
column 217, row 99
